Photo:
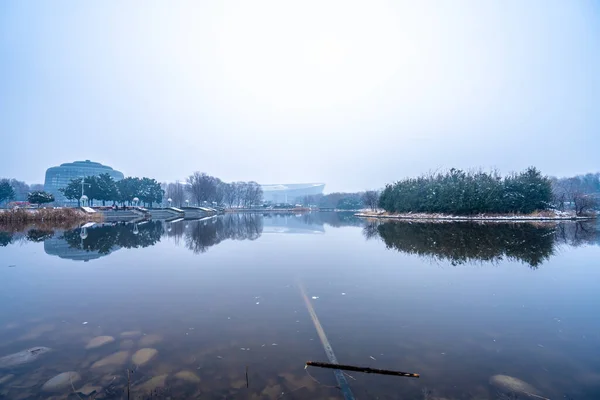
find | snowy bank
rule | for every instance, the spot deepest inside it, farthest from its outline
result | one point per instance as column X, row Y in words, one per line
column 547, row 215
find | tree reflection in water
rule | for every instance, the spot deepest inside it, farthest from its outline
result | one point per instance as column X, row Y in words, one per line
column 105, row 238
column 456, row 242
column 6, row 238
column 468, row 242
column 200, row 235
column 39, row 235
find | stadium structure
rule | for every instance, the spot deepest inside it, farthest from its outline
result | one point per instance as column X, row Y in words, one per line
column 291, row 192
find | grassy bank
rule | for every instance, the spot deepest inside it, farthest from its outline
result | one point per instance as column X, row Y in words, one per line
column 58, row 216
column 546, row 215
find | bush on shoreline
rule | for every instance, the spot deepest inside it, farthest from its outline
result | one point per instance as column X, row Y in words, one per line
column 458, row 192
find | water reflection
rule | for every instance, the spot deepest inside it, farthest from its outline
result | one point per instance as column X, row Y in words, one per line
column 333, row 219
column 39, row 235
column 292, row 224
column 106, row 238
column 577, row 234
column 58, row 246
column 6, row 238
column 200, row 235
column 457, row 243
column 458, row 326
column 461, row 243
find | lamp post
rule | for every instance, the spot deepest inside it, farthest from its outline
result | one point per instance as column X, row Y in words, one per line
column 83, row 196
column 83, row 200
column 83, row 235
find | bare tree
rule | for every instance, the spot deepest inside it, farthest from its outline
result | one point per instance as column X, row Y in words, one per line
column 176, row 193
column 202, row 187
column 219, row 192
column 229, row 194
column 581, row 189
column 21, row 189
column 559, row 193
column 242, row 193
column 197, row 187
column 255, row 193
column 371, row 199
column 584, row 203
column 206, row 188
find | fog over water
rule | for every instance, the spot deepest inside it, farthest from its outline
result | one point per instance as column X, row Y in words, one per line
column 287, row 93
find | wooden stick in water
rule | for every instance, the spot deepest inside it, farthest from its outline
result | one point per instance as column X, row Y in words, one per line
column 366, row 370
column 536, row 396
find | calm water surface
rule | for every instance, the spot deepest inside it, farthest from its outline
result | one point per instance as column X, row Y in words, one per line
column 455, row 302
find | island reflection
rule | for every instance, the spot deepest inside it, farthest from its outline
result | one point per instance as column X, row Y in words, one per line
column 471, row 242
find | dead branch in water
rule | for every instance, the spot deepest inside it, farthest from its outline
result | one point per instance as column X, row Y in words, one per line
column 366, row 370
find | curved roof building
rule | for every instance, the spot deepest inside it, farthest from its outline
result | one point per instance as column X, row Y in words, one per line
column 59, row 177
column 289, row 193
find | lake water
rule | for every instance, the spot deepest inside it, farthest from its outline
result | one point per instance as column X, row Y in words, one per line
column 455, row 302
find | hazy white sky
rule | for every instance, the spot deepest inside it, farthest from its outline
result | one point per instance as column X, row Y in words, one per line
column 351, row 93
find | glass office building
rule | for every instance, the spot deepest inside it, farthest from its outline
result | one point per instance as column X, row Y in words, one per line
column 59, row 177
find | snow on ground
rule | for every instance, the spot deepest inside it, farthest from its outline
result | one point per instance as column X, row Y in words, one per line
column 548, row 215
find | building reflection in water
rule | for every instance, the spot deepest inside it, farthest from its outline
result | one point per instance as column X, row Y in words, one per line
column 93, row 241
column 57, row 246
column 291, row 224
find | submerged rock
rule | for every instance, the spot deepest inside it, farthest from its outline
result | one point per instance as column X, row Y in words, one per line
column 152, row 384
column 142, row 356
column 89, row 389
column 99, row 341
column 61, row 381
column 512, row 384
column 126, row 344
column 23, row 357
column 149, row 340
column 118, row 358
column 188, row 376
column 131, row 334
column 38, row 331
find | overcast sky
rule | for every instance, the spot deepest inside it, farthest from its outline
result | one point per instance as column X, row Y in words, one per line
column 350, row 93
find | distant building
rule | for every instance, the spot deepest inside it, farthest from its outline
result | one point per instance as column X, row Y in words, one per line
column 290, row 193
column 59, row 177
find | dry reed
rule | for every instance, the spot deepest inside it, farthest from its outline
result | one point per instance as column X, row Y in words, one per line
column 47, row 215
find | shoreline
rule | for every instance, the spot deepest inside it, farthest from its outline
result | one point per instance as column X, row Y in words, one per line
column 479, row 217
